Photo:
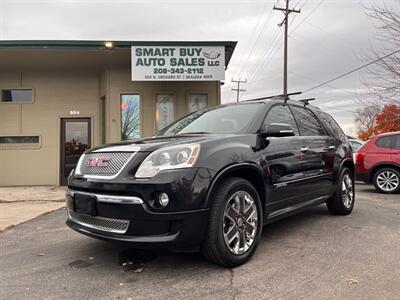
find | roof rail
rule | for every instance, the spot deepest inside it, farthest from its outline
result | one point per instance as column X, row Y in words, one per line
column 270, row 97
column 306, row 101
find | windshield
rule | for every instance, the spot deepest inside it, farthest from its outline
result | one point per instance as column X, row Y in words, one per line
column 224, row 119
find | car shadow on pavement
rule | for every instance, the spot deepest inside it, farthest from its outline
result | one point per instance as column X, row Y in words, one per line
column 112, row 256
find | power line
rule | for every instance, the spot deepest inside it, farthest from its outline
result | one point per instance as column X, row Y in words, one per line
column 257, row 39
column 351, row 71
column 332, row 86
column 308, row 16
column 265, row 77
column 248, row 43
column 273, row 49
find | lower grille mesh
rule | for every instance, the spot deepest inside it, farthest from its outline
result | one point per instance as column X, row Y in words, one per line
column 100, row 223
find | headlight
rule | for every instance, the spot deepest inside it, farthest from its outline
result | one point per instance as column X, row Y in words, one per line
column 174, row 157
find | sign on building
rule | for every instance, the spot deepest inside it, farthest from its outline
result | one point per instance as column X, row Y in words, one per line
column 178, row 63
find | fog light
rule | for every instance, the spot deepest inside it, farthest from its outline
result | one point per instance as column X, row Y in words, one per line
column 163, row 199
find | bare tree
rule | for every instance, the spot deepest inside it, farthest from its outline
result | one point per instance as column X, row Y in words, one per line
column 383, row 79
column 366, row 116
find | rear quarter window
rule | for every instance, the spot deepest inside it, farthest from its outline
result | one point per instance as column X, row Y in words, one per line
column 390, row 141
column 332, row 125
column 397, row 141
column 308, row 123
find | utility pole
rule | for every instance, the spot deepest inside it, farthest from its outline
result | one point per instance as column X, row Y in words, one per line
column 238, row 89
column 286, row 11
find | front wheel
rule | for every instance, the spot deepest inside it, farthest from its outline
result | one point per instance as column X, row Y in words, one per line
column 235, row 223
column 387, row 180
column 342, row 201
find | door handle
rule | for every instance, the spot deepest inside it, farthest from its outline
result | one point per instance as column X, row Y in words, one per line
column 330, row 148
column 305, row 149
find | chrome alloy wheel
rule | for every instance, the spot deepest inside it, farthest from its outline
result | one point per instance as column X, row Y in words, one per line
column 347, row 191
column 387, row 181
column 240, row 222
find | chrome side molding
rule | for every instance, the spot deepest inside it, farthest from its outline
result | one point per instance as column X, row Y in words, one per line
column 109, row 198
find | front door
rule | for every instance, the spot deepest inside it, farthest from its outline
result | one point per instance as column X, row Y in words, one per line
column 285, row 161
column 75, row 139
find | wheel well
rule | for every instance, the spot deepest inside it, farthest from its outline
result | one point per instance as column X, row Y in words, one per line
column 349, row 164
column 381, row 166
column 249, row 174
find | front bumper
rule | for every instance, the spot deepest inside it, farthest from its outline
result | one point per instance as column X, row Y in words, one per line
column 129, row 219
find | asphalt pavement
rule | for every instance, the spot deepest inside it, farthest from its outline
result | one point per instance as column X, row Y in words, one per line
column 312, row 255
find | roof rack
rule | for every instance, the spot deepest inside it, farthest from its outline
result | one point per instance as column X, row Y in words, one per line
column 275, row 96
column 306, row 101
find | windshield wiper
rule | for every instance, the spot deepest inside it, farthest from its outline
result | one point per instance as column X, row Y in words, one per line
column 194, row 132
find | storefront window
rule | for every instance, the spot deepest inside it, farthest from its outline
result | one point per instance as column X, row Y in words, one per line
column 165, row 110
column 20, row 142
column 130, row 117
column 197, row 102
column 17, row 95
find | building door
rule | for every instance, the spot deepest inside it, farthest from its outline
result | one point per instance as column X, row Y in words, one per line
column 75, row 139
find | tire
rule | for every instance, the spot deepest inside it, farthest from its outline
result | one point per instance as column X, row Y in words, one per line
column 342, row 201
column 387, row 180
column 221, row 227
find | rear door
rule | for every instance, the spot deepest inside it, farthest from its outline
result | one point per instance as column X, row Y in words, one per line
column 319, row 151
column 381, row 151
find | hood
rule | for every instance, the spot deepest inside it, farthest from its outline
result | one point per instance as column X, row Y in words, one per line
column 151, row 144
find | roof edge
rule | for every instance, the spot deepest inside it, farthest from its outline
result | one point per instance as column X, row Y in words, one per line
column 100, row 45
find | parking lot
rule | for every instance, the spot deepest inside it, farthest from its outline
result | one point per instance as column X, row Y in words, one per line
column 313, row 255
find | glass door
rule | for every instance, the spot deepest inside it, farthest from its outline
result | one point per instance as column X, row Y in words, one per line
column 75, row 139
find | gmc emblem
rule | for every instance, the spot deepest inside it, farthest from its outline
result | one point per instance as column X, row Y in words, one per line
column 98, row 162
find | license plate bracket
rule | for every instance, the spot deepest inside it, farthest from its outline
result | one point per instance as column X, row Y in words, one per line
column 85, row 204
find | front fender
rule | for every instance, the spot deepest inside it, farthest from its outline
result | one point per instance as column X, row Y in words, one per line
column 235, row 170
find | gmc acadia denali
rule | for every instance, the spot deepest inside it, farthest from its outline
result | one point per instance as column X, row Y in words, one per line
column 213, row 179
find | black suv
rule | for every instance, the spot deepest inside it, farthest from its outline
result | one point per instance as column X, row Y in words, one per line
column 213, row 179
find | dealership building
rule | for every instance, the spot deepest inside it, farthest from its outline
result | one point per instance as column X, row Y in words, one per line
column 59, row 98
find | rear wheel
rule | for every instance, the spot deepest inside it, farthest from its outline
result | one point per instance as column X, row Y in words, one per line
column 387, row 180
column 342, row 201
column 235, row 223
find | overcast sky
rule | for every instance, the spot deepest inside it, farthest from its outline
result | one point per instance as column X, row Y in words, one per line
column 327, row 38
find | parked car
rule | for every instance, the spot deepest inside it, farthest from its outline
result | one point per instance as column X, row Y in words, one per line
column 213, row 179
column 356, row 145
column 378, row 162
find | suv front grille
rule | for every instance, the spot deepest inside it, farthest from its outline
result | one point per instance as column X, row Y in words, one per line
column 100, row 223
column 103, row 164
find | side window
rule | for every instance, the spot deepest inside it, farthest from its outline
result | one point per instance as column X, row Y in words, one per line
column 396, row 141
column 308, row 123
column 386, row 142
column 281, row 114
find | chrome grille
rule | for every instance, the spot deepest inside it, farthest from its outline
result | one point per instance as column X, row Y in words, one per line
column 100, row 223
column 115, row 162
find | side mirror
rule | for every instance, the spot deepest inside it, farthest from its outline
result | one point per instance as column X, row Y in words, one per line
column 276, row 130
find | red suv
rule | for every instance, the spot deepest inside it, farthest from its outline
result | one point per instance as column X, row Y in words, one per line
column 378, row 162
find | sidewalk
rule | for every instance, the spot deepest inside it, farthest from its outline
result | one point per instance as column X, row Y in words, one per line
column 20, row 204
